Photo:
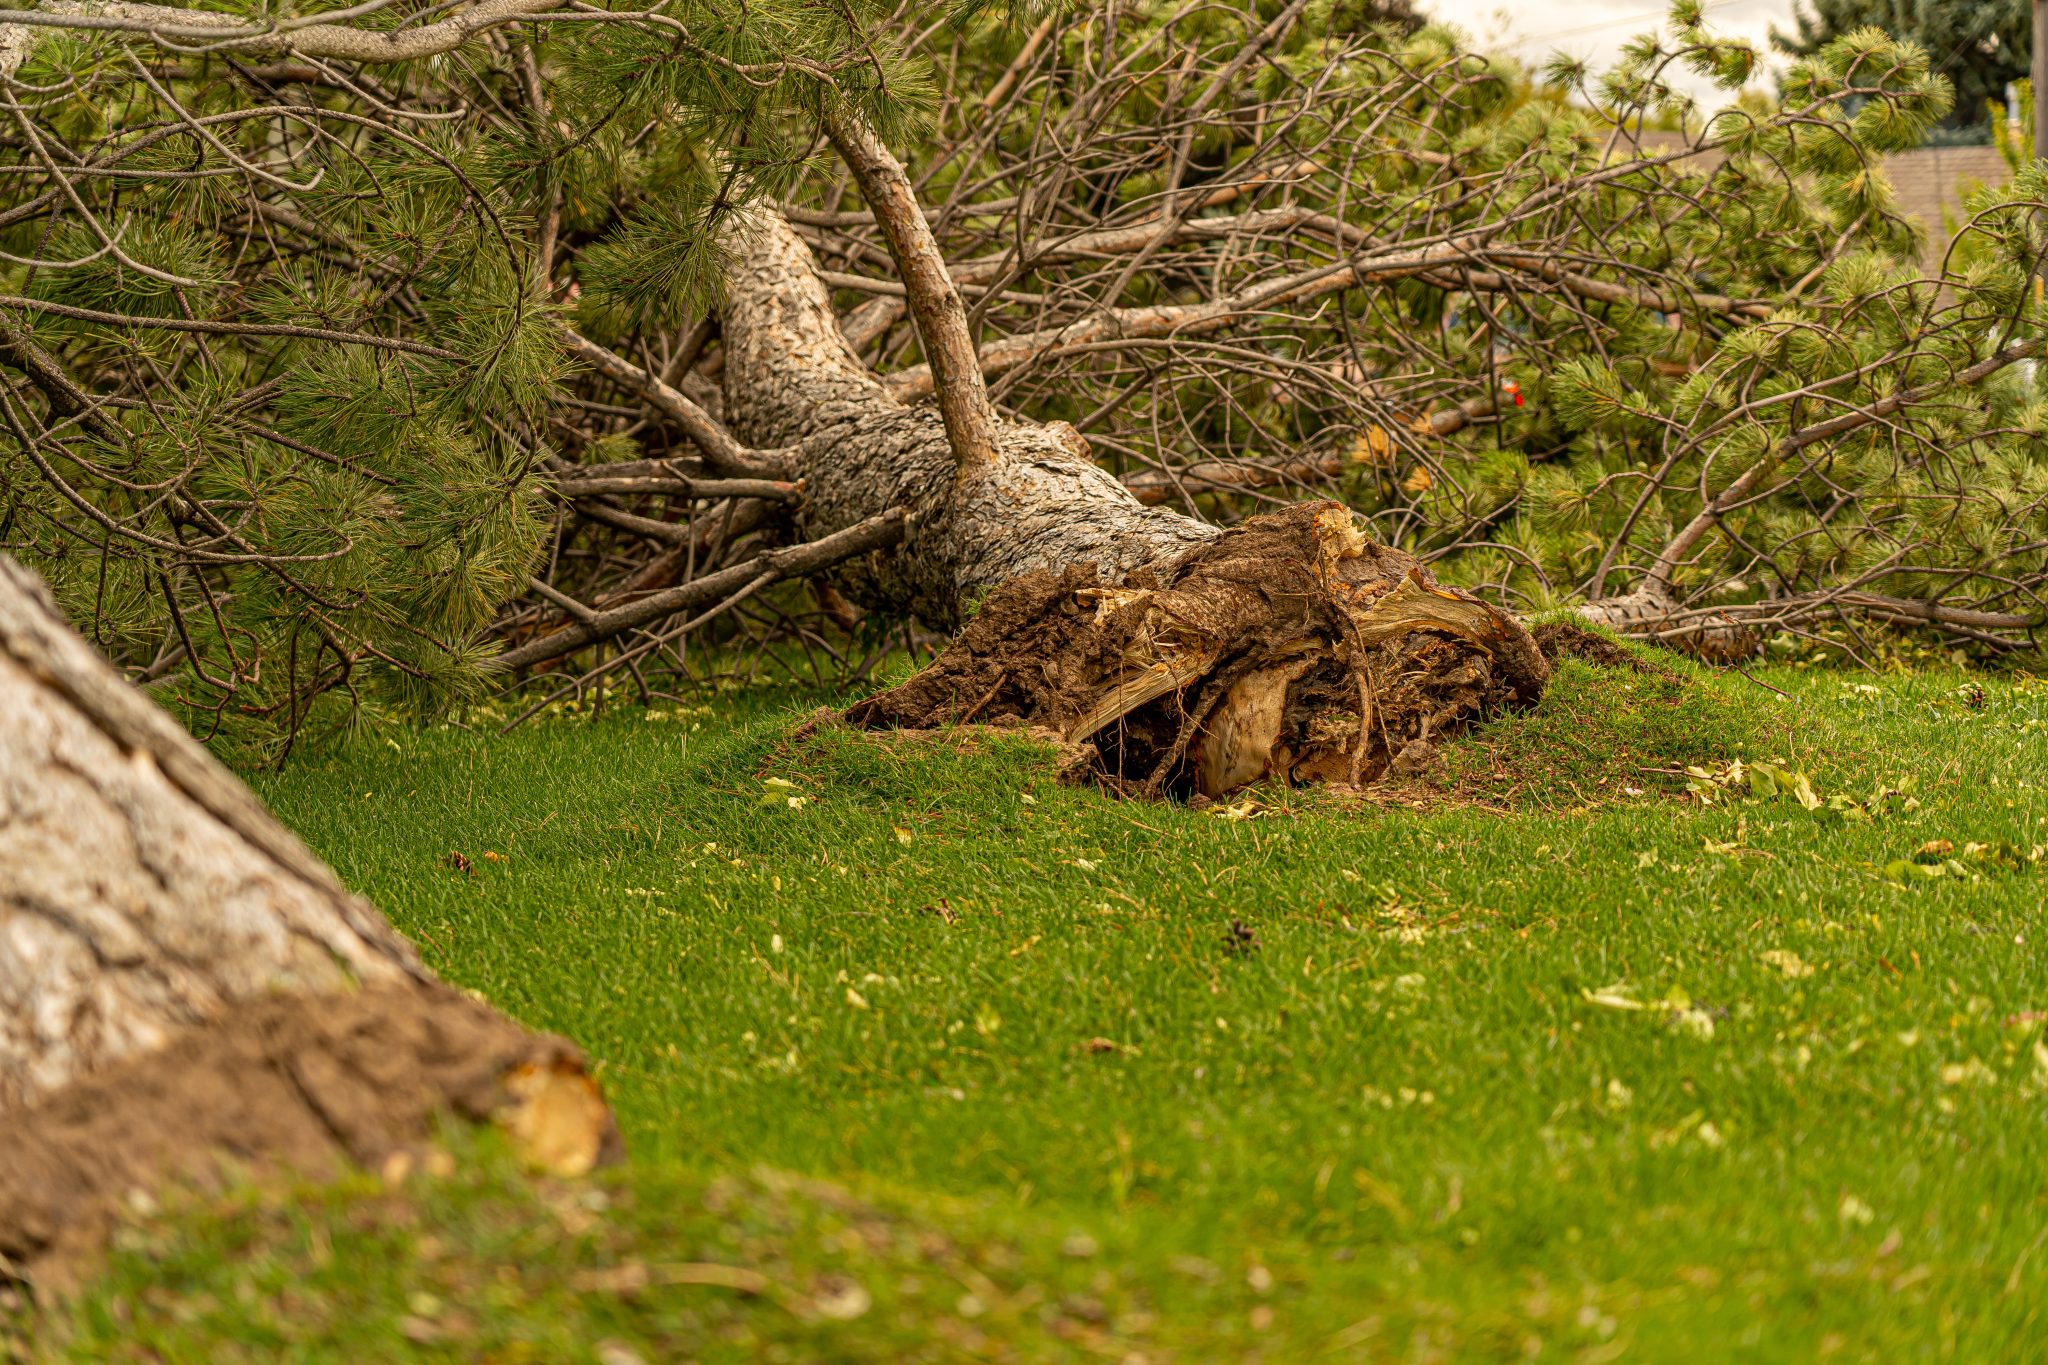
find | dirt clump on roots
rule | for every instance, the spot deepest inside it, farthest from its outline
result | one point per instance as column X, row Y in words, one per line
column 1290, row 647
column 283, row 1084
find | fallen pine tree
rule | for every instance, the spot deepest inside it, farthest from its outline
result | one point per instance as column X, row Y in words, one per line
column 662, row 327
column 1190, row 657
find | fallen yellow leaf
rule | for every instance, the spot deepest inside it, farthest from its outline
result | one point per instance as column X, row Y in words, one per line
column 1788, row 962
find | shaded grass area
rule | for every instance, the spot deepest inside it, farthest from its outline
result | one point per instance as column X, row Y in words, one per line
column 1576, row 1066
column 480, row 1262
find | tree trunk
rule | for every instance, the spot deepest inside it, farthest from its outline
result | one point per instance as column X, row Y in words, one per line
column 1191, row 658
column 183, row 982
column 1040, row 505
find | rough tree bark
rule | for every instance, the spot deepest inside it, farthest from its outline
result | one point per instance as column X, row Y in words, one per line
column 1191, row 658
column 792, row 381
column 184, row 986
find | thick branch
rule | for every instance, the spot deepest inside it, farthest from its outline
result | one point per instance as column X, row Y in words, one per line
column 1096, row 245
column 1937, row 613
column 665, row 532
column 953, row 370
column 65, row 397
column 1259, row 223
column 305, row 37
column 1112, row 325
column 1732, row 628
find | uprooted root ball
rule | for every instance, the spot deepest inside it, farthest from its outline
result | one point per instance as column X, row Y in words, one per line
column 1292, row 646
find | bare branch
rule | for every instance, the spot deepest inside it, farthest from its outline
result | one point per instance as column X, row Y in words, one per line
column 721, row 451
column 876, row 533
column 204, row 326
column 775, row 490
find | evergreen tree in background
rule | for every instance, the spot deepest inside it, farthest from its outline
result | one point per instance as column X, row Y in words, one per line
column 1979, row 45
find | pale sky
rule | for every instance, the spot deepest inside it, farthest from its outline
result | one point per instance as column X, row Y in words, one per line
column 1596, row 29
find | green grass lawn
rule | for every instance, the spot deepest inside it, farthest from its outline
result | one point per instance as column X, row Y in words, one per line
column 941, row 1059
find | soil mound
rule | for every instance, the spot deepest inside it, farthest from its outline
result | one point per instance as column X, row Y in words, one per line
column 1566, row 639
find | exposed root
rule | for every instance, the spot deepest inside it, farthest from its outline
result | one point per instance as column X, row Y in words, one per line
column 1290, row 647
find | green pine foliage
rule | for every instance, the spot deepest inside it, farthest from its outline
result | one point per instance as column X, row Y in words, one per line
column 295, row 534
column 1979, row 45
column 1633, row 415
column 280, row 390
